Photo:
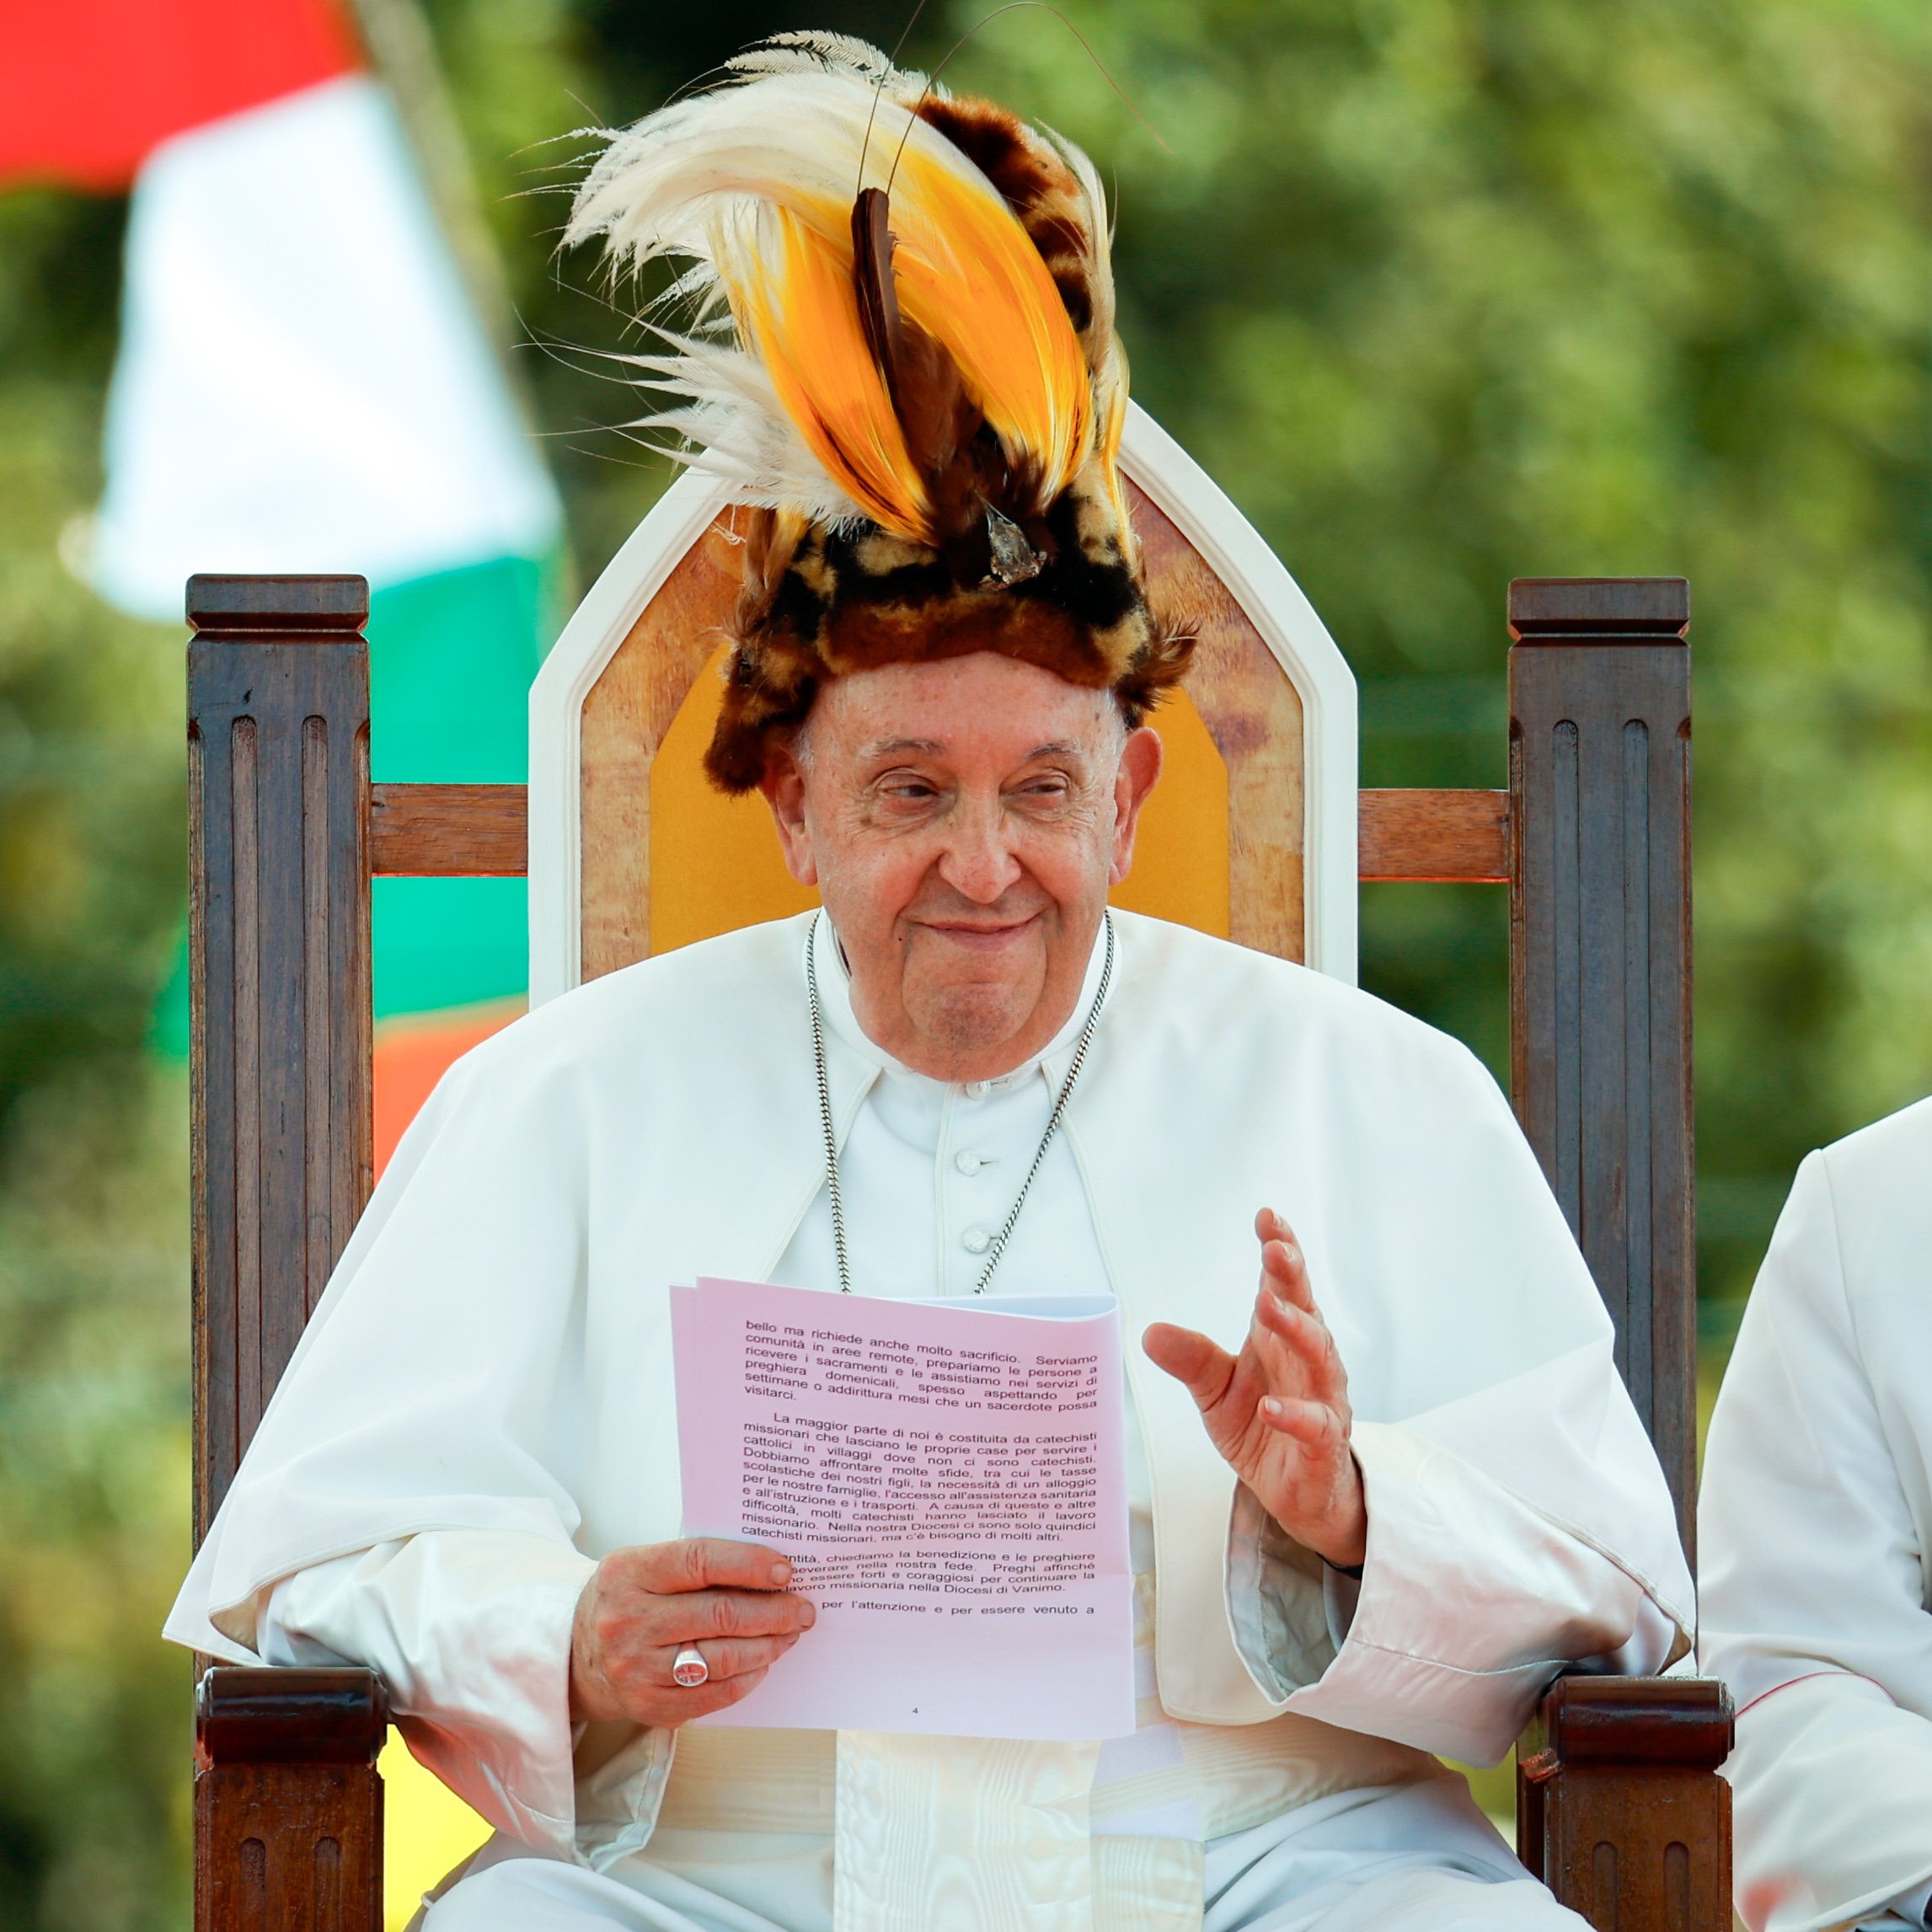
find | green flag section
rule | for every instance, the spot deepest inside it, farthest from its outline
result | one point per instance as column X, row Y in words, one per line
column 451, row 658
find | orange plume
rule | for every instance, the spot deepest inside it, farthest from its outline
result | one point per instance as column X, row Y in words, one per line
column 794, row 306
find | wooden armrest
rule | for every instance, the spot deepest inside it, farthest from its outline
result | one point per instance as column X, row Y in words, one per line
column 1619, row 1808
column 288, row 1800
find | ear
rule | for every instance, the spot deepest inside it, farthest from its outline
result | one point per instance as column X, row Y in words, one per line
column 1139, row 772
column 784, row 787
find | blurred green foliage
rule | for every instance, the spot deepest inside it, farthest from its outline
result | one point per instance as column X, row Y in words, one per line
column 92, row 1224
column 1443, row 291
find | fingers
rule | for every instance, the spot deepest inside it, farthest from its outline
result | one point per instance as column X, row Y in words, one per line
column 624, row 1646
column 641, row 1625
column 732, row 1614
column 1190, row 1358
column 724, row 1657
column 1316, row 1426
column 1307, row 1334
column 678, row 1705
column 1283, row 1266
column 702, row 1563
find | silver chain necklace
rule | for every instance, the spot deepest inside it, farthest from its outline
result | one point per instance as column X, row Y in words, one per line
column 1000, row 1239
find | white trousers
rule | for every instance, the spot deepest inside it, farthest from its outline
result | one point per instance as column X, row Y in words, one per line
column 1417, row 1858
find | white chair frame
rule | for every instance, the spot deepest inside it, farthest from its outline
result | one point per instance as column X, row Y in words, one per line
column 1228, row 543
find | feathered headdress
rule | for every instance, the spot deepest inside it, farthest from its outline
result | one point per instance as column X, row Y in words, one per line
column 902, row 354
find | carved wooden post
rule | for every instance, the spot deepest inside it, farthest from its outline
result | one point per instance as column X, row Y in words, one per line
column 1619, row 1808
column 1599, row 695
column 288, row 1807
column 278, row 775
column 287, row 1804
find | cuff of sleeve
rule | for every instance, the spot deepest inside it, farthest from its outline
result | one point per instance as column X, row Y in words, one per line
column 470, row 1632
column 1469, row 1602
column 619, row 1796
column 1278, row 1602
column 1911, row 1906
column 1341, row 1592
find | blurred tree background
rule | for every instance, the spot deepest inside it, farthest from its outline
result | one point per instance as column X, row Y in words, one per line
column 1443, row 291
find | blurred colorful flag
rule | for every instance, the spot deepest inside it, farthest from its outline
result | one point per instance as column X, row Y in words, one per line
column 304, row 384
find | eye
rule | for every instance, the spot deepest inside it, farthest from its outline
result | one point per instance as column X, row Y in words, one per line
column 1047, row 787
column 905, row 791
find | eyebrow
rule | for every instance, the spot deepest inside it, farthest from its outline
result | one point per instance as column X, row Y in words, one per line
column 934, row 747
column 887, row 747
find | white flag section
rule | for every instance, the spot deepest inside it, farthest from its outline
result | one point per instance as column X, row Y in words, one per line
column 302, row 384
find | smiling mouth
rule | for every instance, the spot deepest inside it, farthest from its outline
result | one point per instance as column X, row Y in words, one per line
column 980, row 939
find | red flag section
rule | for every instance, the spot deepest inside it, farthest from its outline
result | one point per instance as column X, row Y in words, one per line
column 88, row 87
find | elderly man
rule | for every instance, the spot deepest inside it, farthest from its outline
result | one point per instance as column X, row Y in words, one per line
column 964, row 1067
column 1816, row 1520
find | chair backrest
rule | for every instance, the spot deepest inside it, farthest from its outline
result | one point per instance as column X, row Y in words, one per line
column 1251, row 834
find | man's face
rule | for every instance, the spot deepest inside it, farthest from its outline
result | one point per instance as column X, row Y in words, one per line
column 963, row 822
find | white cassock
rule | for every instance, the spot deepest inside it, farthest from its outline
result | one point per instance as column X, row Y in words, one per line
column 1815, row 1520
column 482, row 1407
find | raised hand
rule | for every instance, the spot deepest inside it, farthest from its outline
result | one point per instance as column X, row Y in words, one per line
column 646, row 1602
column 1278, row 1410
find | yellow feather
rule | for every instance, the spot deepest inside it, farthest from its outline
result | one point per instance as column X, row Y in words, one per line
column 759, row 177
column 970, row 276
column 795, row 308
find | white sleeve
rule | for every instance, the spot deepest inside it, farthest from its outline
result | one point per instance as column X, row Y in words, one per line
column 1833, row 1784
column 470, row 1632
column 1470, row 1601
column 1814, row 1598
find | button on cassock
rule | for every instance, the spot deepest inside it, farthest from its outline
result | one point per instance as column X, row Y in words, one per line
column 975, row 1240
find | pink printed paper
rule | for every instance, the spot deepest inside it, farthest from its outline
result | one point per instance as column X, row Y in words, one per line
column 948, row 1480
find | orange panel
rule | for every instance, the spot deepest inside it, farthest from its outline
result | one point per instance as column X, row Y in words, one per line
column 413, row 1054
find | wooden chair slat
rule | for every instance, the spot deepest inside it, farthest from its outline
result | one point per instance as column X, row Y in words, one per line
column 1442, row 837
column 481, row 832
column 449, row 831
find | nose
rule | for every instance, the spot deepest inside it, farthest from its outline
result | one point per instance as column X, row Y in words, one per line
column 978, row 862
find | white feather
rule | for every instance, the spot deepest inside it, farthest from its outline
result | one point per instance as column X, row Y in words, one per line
column 836, row 53
column 733, row 426
column 803, row 121
column 791, row 140
column 693, row 180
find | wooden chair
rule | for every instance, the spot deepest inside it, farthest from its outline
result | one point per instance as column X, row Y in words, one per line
column 1259, row 832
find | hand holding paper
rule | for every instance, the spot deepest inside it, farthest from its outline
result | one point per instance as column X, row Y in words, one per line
column 646, row 1604
column 1278, row 1412
column 947, row 1481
